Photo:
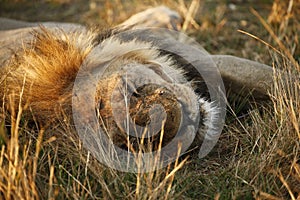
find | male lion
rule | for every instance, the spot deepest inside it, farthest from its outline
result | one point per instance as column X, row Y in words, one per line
column 42, row 62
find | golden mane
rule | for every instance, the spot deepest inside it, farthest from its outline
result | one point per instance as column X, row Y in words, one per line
column 43, row 72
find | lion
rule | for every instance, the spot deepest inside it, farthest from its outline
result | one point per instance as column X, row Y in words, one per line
column 41, row 63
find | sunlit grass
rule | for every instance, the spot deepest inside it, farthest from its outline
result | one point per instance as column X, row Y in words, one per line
column 257, row 155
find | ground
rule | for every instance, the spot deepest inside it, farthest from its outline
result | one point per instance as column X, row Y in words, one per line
column 257, row 156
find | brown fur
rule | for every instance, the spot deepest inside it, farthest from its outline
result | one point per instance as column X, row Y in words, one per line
column 42, row 74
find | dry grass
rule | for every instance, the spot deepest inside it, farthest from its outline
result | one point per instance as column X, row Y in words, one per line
column 277, row 128
column 257, row 156
column 52, row 164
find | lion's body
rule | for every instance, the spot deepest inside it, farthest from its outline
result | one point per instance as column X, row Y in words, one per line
column 38, row 73
column 40, row 64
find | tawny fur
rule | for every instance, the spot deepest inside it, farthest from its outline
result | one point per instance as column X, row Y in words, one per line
column 44, row 72
column 41, row 76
